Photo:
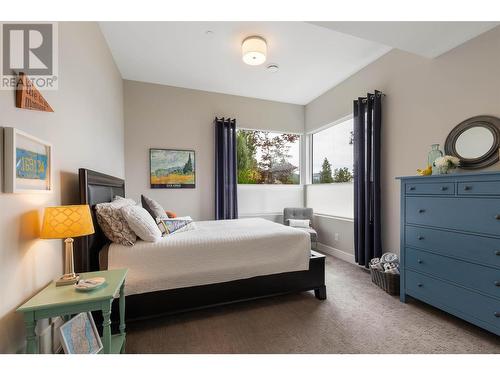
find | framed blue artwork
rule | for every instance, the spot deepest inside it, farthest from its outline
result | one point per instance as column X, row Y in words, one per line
column 28, row 163
column 79, row 335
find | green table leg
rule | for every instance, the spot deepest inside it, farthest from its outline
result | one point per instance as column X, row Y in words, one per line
column 30, row 322
column 122, row 315
column 106, row 326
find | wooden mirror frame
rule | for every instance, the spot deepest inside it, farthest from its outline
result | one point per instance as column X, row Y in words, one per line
column 490, row 157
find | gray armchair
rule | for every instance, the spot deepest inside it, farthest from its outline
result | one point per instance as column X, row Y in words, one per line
column 302, row 214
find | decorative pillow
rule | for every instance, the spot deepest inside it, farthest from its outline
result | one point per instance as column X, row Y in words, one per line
column 171, row 214
column 299, row 223
column 171, row 225
column 113, row 224
column 141, row 222
column 153, row 207
column 122, row 200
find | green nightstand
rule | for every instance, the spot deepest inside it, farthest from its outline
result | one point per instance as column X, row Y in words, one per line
column 65, row 300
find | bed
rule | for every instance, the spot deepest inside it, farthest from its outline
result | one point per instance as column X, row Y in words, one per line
column 217, row 263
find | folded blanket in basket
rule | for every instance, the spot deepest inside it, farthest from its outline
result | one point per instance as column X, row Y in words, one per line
column 375, row 264
column 391, row 268
column 389, row 258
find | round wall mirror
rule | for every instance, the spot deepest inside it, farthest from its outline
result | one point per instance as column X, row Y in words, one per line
column 475, row 142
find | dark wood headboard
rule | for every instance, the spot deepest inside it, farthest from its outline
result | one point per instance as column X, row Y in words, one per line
column 95, row 188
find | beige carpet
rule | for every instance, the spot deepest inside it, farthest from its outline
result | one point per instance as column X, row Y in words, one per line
column 357, row 317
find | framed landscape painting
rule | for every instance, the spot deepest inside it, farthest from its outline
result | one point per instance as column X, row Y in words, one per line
column 172, row 169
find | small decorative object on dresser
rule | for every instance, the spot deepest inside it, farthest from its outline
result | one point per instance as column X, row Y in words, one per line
column 67, row 222
column 445, row 164
column 79, row 335
column 434, row 153
column 27, row 163
column 450, row 244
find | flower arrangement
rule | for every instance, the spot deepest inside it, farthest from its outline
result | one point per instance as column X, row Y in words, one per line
column 446, row 163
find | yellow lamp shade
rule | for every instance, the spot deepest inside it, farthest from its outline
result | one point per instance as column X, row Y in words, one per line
column 67, row 221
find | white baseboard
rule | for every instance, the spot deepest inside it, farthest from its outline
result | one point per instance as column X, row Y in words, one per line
column 336, row 253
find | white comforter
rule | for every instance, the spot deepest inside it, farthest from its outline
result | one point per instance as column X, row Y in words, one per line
column 216, row 251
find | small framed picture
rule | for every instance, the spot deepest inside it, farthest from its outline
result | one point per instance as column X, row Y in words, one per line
column 172, row 169
column 79, row 335
column 27, row 163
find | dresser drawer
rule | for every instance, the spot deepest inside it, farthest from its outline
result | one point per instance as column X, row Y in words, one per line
column 479, row 188
column 485, row 250
column 460, row 301
column 481, row 215
column 469, row 275
column 433, row 188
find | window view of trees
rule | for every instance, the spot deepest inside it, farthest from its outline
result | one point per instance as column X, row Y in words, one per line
column 333, row 154
column 267, row 157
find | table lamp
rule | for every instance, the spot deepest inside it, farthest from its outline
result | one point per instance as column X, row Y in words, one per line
column 67, row 222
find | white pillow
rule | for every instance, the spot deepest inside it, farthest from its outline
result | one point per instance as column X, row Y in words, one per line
column 299, row 223
column 124, row 201
column 141, row 222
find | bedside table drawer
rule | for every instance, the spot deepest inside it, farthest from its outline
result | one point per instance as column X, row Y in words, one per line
column 433, row 188
column 470, row 275
column 454, row 299
column 485, row 250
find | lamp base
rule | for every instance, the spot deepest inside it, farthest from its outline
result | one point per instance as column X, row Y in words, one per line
column 67, row 279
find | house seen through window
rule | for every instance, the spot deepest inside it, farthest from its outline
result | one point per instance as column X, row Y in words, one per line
column 267, row 157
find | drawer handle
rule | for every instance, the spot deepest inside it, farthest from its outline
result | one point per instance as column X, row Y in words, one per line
column 420, row 238
column 467, row 187
column 412, row 188
column 420, row 285
column 497, row 283
column 420, row 262
column 421, row 211
column 444, row 188
column 497, row 253
column 497, row 217
column 497, row 314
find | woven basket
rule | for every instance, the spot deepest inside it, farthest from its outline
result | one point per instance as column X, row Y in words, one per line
column 387, row 281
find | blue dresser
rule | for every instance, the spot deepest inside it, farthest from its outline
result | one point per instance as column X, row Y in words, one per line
column 450, row 244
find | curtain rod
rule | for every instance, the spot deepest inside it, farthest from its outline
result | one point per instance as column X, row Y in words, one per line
column 365, row 99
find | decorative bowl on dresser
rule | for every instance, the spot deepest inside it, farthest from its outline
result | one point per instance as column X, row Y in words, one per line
column 450, row 244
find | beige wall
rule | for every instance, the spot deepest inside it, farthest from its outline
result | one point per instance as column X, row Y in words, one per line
column 86, row 130
column 425, row 99
column 170, row 117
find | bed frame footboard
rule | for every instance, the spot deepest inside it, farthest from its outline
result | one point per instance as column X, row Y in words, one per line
column 167, row 302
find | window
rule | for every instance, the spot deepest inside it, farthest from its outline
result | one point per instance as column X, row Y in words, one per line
column 267, row 157
column 332, row 154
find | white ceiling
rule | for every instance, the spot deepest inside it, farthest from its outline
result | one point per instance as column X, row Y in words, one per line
column 312, row 57
column 428, row 39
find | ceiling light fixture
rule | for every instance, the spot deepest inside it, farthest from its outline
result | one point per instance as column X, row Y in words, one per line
column 254, row 50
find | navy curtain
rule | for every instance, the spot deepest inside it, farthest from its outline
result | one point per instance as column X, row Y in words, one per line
column 367, row 127
column 226, row 177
